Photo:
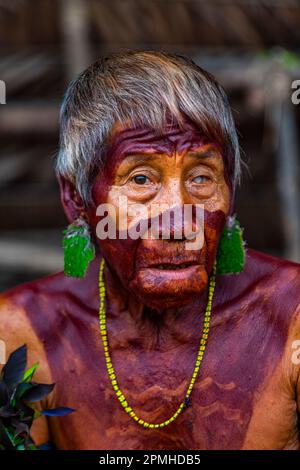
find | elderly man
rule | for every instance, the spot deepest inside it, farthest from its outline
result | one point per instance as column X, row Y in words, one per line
column 185, row 356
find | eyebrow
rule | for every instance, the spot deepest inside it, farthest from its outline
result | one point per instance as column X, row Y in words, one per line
column 144, row 157
column 208, row 153
column 141, row 157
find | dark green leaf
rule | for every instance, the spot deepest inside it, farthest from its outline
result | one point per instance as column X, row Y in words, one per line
column 21, row 428
column 13, row 371
column 5, row 439
column 22, row 388
column 38, row 392
column 3, row 394
column 8, row 411
column 32, row 447
column 26, row 412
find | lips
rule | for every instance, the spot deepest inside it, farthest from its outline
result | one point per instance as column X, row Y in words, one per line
column 169, row 282
column 172, row 266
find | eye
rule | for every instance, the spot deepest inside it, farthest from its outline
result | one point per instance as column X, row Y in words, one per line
column 201, row 179
column 140, row 179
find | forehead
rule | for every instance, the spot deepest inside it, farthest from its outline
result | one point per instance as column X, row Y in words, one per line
column 127, row 139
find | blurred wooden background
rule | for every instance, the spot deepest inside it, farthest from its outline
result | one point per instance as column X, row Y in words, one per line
column 251, row 46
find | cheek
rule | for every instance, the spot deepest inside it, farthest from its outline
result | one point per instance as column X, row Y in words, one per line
column 220, row 201
column 119, row 253
column 99, row 194
column 127, row 214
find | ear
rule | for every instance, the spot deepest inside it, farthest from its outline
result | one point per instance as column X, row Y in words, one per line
column 71, row 201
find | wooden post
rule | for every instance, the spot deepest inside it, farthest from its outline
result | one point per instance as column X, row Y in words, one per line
column 75, row 32
column 282, row 116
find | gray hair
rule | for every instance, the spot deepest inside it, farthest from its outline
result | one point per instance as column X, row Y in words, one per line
column 144, row 88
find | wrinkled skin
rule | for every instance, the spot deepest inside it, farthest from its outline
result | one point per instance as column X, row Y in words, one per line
column 179, row 168
column 245, row 396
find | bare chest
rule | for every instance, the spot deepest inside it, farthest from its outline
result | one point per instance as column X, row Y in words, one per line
column 227, row 410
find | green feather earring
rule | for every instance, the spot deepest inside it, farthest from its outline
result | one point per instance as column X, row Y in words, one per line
column 78, row 248
column 231, row 249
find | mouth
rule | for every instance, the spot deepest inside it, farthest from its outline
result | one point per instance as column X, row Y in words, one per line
column 172, row 266
column 170, row 281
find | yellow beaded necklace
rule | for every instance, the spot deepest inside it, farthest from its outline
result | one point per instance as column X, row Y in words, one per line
column 111, row 371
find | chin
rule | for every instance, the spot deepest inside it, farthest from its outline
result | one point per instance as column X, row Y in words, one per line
column 162, row 288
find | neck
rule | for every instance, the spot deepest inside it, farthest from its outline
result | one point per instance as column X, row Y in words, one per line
column 133, row 323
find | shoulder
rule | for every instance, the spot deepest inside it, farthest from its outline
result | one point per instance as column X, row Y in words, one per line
column 41, row 299
column 263, row 263
column 268, row 286
column 18, row 303
column 23, row 309
column 271, row 273
column 37, row 312
column 277, row 281
column 264, row 273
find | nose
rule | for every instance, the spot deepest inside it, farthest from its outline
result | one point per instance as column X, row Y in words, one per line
column 177, row 218
column 182, row 223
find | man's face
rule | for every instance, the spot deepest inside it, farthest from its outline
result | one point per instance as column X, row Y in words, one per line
column 179, row 168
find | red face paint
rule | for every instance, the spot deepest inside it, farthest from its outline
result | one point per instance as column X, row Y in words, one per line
column 144, row 140
column 137, row 273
